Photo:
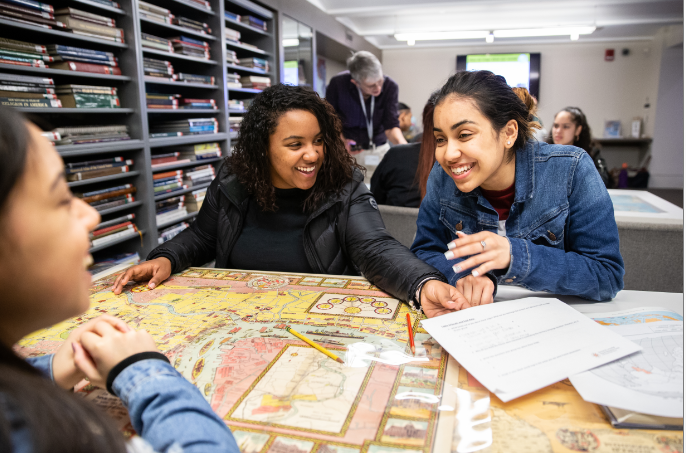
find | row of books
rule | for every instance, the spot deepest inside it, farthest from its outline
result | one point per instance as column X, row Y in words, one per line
column 192, row 153
column 202, row 3
column 113, row 230
column 84, row 135
column 182, row 45
column 160, row 101
column 163, row 69
column 170, row 232
column 81, row 171
column 57, row 56
column 174, row 181
column 68, row 19
column 123, row 258
column 234, row 126
column 176, row 208
column 26, row 91
column 236, row 106
column 231, row 57
column 187, row 126
column 164, row 16
column 110, row 197
column 250, row 21
column 256, row 82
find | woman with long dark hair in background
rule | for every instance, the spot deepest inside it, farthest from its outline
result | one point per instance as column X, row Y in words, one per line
column 43, row 275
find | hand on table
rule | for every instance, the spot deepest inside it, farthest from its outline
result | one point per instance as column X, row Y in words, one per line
column 103, row 347
column 476, row 290
column 64, row 370
column 495, row 255
column 157, row 270
column 439, row 298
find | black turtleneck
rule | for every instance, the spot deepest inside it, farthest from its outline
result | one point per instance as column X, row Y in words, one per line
column 273, row 241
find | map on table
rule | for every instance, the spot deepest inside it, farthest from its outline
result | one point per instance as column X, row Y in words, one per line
column 633, row 203
column 225, row 332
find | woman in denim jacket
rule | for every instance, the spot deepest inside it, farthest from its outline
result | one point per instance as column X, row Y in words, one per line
column 44, row 280
column 501, row 208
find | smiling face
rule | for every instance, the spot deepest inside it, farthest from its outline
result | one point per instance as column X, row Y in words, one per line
column 564, row 129
column 296, row 150
column 44, row 247
column 470, row 151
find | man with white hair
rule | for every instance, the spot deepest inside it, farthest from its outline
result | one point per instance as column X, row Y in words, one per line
column 366, row 101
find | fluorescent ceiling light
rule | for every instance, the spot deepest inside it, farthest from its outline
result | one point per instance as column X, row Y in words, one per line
column 439, row 35
column 290, row 42
column 554, row 31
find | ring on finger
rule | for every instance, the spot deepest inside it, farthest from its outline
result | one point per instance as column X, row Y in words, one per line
column 483, row 244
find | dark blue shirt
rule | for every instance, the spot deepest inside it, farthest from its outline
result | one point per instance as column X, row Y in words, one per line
column 343, row 96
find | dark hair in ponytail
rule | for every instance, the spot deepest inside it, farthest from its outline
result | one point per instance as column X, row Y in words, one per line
column 495, row 100
column 55, row 421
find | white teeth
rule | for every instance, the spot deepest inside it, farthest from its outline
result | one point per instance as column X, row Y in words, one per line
column 305, row 169
column 462, row 168
column 87, row 261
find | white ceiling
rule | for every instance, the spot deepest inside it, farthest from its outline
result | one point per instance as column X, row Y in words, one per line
column 617, row 20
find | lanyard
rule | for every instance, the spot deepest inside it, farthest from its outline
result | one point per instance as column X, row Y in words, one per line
column 369, row 120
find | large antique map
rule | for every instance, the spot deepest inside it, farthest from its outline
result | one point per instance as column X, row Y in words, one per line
column 224, row 330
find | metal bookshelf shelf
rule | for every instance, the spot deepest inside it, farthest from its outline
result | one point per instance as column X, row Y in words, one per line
column 187, row 140
column 194, row 163
column 253, row 8
column 158, row 81
column 62, row 34
column 98, row 148
column 193, row 111
column 128, row 174
column 180, row 192
column 245, row 90
column 48, row 72
column 117, row 241
column 71, row 110
column 120, row 208
column 176, row 28
column 190, row 6
column 246, row 48
column 244, row 27
column 244, row 69
column 179, row 220
column 178, row 56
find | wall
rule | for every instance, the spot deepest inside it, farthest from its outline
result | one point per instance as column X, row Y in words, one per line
column 333, row 67
column 667, row 165
column 571, row 74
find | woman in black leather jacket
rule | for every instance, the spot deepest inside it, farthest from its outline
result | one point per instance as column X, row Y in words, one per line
column 291, row 199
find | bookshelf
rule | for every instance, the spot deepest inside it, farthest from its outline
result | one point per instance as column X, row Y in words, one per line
column 132, row 86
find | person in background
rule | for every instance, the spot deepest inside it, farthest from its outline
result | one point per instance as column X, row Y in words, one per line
column 502, row 208
column 44, row 278
column 407, row 126
column 366, row 102
column 291, row 199
column 397, row 180
column 571, row 128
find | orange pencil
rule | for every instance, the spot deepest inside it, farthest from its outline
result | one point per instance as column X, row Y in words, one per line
column 409, row 333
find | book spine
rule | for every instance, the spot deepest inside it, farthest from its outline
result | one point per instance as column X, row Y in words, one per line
column 113, row 237
column 90, row 27
column 20, row 102
column 116, row 221
column 96, row 174
column 108, row 229
column 58, row 48
column 93, row 68
column 98, row 167
column 33, row 4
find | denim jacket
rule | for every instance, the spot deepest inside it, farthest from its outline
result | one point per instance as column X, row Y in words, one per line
column 165, row 409
column 561, row 227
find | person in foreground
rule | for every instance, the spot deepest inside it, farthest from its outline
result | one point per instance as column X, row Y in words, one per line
column 501, row 208
column 43, row 260
column 291, row 199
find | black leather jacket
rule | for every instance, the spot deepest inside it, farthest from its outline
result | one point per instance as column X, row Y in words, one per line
column 344, row 236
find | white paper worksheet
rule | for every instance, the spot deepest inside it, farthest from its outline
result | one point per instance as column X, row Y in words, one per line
column 649, row 382
column 516, row 347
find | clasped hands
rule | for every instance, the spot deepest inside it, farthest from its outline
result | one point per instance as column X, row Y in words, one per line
column 94, row 348
column 475, row 289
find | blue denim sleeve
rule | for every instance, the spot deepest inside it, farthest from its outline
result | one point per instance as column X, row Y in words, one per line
column 166, row 409
column 43, row 364
column 591, row 265
column 432, row 237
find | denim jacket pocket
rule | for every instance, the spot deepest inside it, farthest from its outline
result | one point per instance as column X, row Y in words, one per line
column 456, row 219
column 550, row 231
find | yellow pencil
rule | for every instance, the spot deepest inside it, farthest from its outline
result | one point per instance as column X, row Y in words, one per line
column 315, row 345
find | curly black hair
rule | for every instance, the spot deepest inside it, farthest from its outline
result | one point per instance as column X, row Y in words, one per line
column 584, row 140
column 250, row 160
